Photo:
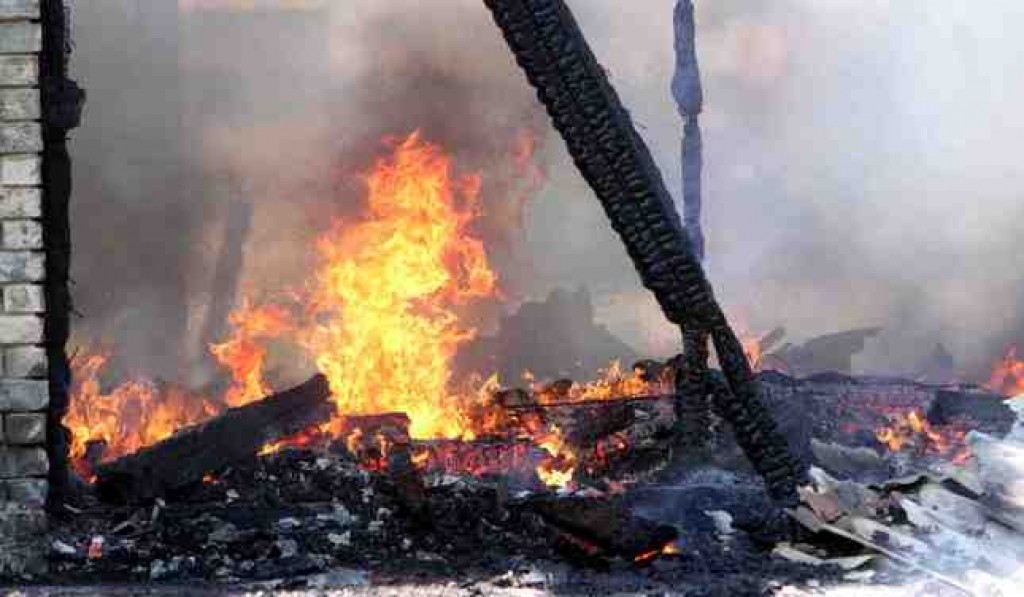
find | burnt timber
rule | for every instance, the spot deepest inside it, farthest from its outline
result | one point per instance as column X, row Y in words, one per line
column 599, row 134
column 232, row 437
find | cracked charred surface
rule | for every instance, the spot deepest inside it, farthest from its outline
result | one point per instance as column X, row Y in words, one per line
column 599, row 134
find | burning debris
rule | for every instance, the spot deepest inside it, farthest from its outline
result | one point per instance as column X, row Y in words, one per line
column 605, row 495
column 1008, row 376
column 386, row 466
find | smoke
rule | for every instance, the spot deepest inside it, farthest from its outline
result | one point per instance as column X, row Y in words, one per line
column 212, row 130
column 859, row 162
column 859, row 155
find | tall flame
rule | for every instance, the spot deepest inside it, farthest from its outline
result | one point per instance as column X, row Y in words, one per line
column 382, row 320
column 387, row 291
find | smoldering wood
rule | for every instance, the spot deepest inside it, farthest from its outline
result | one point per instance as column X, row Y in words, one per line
column 607, row 524
column 981, row 406
column 234, row 436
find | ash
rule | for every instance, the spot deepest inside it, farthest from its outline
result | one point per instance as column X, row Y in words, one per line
column 308, row 520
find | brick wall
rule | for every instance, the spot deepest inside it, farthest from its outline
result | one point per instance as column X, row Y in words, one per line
column 24, row 396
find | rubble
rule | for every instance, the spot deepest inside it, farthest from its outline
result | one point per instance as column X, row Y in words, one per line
column 325, row 517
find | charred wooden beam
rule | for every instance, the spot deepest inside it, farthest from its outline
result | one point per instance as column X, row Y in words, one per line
column 234, row 436
column 599, row 134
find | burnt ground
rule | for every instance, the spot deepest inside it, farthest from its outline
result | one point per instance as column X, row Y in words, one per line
column 312, row 522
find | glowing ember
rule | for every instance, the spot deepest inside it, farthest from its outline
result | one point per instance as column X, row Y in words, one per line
column 1007, row 376
column 670, row 549
column 913, row 431
column 132, row 415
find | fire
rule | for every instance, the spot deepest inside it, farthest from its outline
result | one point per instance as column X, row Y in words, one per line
column 669, row 549
column 752, row 348
column 243, row 354
column 558, row 470
column 611, row 383
column 1007, row 376
column 382, row 319
column 912, row 430
column 387, row 293
column 133, row 415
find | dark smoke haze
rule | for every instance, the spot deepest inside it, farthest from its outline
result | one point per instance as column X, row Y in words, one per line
column 860, row 159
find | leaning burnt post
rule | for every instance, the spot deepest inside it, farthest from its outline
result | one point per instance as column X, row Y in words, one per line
column 614, row 160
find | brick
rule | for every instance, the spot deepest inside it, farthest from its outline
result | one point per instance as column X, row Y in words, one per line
column 19, row 104
column 19, row 9
column 22, row 234
column 21, row 329
column 25, row 362
column 22, row 266
column 21, row 169
column 23, row 462
column 21, row 137
column 23, row 298
column 20, row 202
column 27, row 492
column 16, row 520
column 25, row 429
column 23, row 541
column 19, row 70
column 20, row 38
column 24, row 395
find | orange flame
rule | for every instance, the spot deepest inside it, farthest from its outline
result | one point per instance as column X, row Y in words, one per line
column 243, row 354
column 752, row 349
column 133, row 415
column 386, row 294
column 912, row 430
column 381, row 320
column 558, row 470
column 1007, row 376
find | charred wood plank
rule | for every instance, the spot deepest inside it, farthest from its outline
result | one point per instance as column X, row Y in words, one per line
column 605, row 524
column 232, row 437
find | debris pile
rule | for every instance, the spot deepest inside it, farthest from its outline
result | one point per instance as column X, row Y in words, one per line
column 961, row 527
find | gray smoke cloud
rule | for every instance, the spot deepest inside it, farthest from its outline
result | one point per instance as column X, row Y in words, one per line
column 860, row 160
column 860, row 167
